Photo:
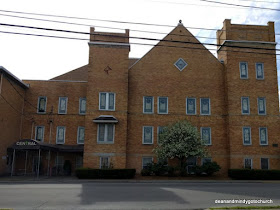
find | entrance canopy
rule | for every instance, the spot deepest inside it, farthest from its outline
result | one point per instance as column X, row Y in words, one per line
column 31, row 144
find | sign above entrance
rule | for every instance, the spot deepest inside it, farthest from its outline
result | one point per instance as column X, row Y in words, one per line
column 26, row 143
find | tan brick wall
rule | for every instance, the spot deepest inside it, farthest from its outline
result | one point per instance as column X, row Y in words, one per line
column 10, row 118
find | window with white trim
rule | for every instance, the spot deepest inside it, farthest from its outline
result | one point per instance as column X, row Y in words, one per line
column 62, row 105
column 60, row 134
column 246, row 131
column 206, row 135
column 245, row 105
column 259, row 71
column 263, row 136
column 243, row 67
column 159, row 131
column 107, row 101
column 261, row 105
column 81, row 135
column 162, row 105
column 148, row 134
column 105, row 133
column 248, row 163
column 205, row 107
column 264, row 163
column 104, row 162
column 146, row 161
column 39, row 133
column 82, row 105
column 148, row 104
column 42, row 104
column 191, row 106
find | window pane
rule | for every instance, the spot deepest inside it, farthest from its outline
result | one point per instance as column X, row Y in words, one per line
column 39, row 133
column 206, row 160
column 263, row 135
column 246, row 135
column 148, row 133
column 243, row 70
column 110, row 132
column 42, row 104
column 101, row 132
column 111, row 100
column 162, row 104
column 259, row 70
column 205, row 106
column 248, row 163
column 62, row 105
column 60, row 134
column 261, row 105
column 102, row 100
column 191, row 106
column 148, row 104
column 82, row 105
column 206, row 135
column 104, row 162
column 264, row 163
column 146, row 160
column 245, row 105
column 81, row 137
column 160, row 130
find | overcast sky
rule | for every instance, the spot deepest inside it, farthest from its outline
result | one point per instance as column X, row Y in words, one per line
column 30, row 57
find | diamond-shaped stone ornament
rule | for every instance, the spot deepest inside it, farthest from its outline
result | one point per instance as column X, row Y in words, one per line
column 180, row 64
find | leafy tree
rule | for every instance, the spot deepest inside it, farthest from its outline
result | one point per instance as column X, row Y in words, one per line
column 180, row 140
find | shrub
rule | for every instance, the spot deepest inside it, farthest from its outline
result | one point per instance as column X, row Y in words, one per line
column 254, row 174
column 208, row 168
column 146, row 172
column 159, row 169
column 89, row 173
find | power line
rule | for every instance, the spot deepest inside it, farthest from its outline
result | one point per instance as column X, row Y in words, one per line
column 240, row 5
column 88, row 25
column 133, row 37
column 145, row 44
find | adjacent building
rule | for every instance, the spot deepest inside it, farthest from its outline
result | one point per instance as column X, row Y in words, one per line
column 110, row 112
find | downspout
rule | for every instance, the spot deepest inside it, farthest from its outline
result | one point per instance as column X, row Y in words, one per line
column 21, row 118
column 1, row 81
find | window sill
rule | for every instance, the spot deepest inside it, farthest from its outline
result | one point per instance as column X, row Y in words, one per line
column 105, row 142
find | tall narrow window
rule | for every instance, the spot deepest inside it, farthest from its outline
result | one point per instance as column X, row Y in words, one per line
column 39, row 133
column 81, row 135
column 191, row 106
column 104, row 162
column 245, row 105
column 147, row 134
column 259, row 71
column 148, row 104
column 206, row 135
column 82, row 105
column 243, row 67
column 246, row 135
column 105, row 133
column 62, row 106
column 159, row 132
column 248, row 163
column 42, row 104
column 162, row 105
column 60, row 135
column 261, row 106
column 205, row 106
column 264, row 163
column 263, row 136
column 107, row 101
column 146, row 161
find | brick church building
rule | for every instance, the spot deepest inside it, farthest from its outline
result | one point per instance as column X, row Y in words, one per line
column 110, row 112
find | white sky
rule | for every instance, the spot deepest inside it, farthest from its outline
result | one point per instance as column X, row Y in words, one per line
column 30, row 57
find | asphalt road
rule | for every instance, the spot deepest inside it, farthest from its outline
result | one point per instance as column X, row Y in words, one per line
column 143, row 195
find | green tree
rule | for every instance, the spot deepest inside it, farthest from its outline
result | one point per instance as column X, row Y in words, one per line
column 180, row 140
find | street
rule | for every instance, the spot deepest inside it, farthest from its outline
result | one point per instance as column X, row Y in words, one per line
column 132, row 195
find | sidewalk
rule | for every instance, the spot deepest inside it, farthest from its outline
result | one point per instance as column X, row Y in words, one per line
column 137, row 179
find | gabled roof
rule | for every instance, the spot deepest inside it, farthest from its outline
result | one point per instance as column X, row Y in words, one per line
column 13, row 77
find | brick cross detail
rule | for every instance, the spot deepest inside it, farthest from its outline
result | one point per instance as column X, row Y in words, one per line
column 107, row 69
